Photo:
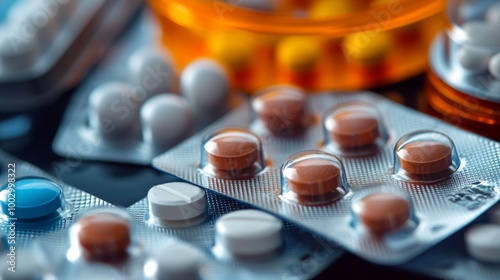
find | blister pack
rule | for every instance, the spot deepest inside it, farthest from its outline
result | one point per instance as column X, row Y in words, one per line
column 106, row 242
column 129, row 110
column 384, row 181
column 236, row 238
column 43, row 45
column 34, row 203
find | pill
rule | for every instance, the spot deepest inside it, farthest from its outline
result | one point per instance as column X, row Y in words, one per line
column 29, row 14
column 494, row 214
column 248, row 233
column 205, row 85
column 381, row 213
column 493, row 14
column 103, row 236
column 299, row 54
column 425, row 157
column 232, row 150
column 34, row 198
column 494, row 66
column 174, row 261
column 474, row 58
column 482, row 33
column 329, row 8
column 114, row 110
column 483, row 242
column 152, row 70
column 166, row 120
column 312, row 176
column 18, row 52
column 282, row 110
column 177, row 201
column 365, row 49
column 232, row 49
column 353, row 127
column 27, row 267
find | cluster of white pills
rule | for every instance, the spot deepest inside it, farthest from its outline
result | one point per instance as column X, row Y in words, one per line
column 483, row 241
column 29, row 30
column 481, row 54
column 146, row 106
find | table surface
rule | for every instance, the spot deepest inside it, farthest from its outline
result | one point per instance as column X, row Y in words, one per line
column 124, row 184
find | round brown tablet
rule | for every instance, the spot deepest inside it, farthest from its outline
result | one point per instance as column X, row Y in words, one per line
column 313, row 176
column 353, row 128
column 232, row 151
column 383, row 212
column 283, row 111
column 425, row 157
column 104, row 236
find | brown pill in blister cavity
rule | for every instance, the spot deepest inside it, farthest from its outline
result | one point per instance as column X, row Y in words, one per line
column 312, row 177
column 425, row 157
column 282, row 112
column 104, row 236
column 232, row 151
column 353, row 128
column 381, row 213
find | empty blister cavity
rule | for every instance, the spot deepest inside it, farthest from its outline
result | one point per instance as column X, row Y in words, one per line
column 232, row 153
column 33, row 201
column 483, row 242
column 177, row 204
column 113, row 111
column 152, row 70
column 166, row 119
column 205, row 85
column 174, row 261
column 248, row 233
column 282, row 110
column 425, row 156
column 102, row 235
column 382, row 211
column 313, row 178
column 354, row 128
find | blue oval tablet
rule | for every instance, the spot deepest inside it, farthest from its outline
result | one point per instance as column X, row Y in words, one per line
column 33, row 198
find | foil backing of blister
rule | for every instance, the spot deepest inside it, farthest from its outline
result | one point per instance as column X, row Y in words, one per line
column 438, row 215
column 302, row 256
column 76, row 199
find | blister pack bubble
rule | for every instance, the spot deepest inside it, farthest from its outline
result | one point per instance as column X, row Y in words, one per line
column 440, row 208
column 72, row 202
column 302, row 255
column 76, row 135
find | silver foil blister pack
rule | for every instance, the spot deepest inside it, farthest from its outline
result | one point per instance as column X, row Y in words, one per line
column 439, row 206
column 73, row 201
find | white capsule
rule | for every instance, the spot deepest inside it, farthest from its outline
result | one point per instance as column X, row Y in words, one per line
column 152, row 70
column 483, row 242
column 113, row 110
column 177, row 201
column 17, row 52
column 493, row 14
column 205, row 84
column 249, row 233
column 166, row 120
column 256, row 5
column 482, row 33
column 494, row 66
column 474, row 58
column 174, row 261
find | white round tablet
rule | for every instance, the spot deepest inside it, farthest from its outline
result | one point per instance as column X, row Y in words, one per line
column 249, row 233
column 27, row 267
column 174, row 261
column 493, row 14
column 205, row 84
column 494, row 214
column 17, row 52
column 177, row 201
column 152, row 70
column 482, row 33
column 166, row 120
column 483, row 242
column 474, row 58
column 33, row 14
column 494, row 66
column 113, row 110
